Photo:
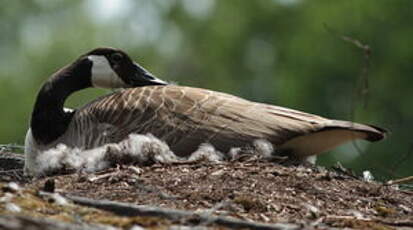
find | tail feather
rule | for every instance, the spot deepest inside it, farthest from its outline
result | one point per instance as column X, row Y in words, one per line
column 333, row 134
column 373, row 133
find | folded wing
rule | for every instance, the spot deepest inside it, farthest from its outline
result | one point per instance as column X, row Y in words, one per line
column 186, row 117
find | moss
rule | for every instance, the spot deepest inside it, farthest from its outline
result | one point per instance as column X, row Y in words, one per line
column 384, row 211
column 34, row 205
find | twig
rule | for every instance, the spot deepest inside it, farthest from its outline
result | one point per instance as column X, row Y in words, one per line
column 125, row 209
column 94, row 178
column 208, row 214
column 397, row 223
column 9, row 147
column 348, row 218
column 364, row 75
column 366, row 66
column 400, row 181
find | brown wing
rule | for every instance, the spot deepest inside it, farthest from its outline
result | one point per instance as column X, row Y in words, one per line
column 185, row 117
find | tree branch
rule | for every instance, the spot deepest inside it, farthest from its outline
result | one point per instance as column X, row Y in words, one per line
column 125, row 209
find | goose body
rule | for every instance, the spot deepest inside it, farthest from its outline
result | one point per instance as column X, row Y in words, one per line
column 183, row 117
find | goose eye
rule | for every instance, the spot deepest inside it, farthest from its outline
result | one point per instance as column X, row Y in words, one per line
column 116, row 57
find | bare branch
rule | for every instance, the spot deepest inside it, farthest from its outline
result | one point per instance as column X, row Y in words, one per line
column 400, row 181
column 361, row 89
column 125, row 209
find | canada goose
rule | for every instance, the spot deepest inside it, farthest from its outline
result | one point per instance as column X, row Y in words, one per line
column 183, row 117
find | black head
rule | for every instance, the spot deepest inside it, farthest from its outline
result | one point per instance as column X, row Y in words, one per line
column 113, row 68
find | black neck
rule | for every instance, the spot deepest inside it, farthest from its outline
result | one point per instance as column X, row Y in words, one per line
column 49, row 121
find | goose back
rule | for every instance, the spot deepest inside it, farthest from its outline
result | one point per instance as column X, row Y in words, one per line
column 186, row 117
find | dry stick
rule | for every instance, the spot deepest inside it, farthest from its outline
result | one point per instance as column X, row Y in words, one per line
column 10, row 147
column 363, row 92
column 366, row 65
column 125, row 209
column 364, row 78
column 364, row 89
column 397, row 223
column 209, row 213
column 400, row 181
column 93, row 178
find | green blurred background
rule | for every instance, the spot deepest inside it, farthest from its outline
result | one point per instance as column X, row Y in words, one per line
column 284, row 52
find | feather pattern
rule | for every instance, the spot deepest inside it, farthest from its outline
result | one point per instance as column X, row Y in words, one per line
column 186, row 117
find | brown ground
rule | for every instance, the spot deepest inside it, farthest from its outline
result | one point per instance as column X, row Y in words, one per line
column 250, row 190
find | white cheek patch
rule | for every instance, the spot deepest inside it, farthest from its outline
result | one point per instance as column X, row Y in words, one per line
column 103, row 75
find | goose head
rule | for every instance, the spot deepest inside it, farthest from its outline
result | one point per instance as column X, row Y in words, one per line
column 113, row 68
column 100, row 68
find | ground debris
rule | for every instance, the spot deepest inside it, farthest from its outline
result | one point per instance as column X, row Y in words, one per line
column 248, row 191
column 30, row 223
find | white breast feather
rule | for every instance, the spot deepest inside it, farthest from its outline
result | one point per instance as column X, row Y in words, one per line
column 141, row 149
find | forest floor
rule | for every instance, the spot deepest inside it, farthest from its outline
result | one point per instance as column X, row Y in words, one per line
column 243, row 194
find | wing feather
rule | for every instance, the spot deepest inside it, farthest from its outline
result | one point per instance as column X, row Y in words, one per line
column 185, row 117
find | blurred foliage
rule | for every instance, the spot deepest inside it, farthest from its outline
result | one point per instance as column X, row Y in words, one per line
column 272, row 51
